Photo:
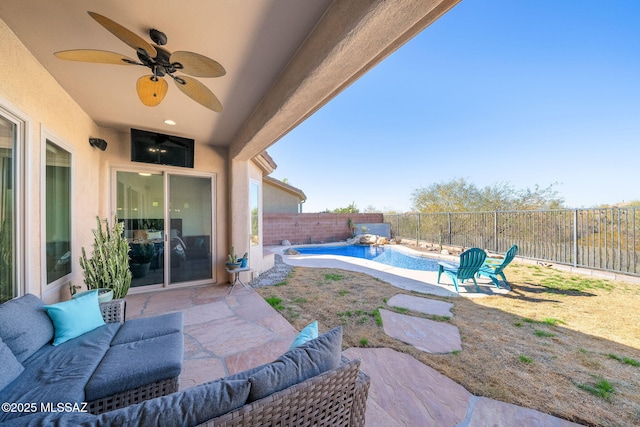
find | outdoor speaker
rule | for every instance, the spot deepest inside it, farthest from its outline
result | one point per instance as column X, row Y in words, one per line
column 101, row 144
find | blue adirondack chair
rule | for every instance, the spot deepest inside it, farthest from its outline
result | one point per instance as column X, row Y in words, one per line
column 493, row 267
column 470, row 262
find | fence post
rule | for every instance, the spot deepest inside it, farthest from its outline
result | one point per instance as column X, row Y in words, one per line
column 619, row 241
column 575, row 238
column 418, row 230
column 449, row 227
column 495, row 231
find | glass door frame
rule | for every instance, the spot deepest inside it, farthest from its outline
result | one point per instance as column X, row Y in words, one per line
column 166, row 173
column 22, row 267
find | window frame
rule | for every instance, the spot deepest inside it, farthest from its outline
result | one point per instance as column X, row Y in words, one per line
column 257, row 184
column 47, row 135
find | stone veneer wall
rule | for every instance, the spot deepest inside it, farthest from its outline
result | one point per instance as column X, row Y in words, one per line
column 303, row 228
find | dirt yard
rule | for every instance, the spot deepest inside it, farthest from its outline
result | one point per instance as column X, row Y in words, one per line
column 564, row 344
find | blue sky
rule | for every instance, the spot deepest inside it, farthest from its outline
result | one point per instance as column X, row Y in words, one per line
column 529, row 92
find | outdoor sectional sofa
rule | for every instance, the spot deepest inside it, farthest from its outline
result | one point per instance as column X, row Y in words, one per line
column 107, row 367
column 311, row 384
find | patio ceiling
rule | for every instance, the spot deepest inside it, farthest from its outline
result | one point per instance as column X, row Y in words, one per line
column 284, row 59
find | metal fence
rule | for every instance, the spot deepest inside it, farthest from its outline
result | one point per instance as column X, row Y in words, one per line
column 603, row 239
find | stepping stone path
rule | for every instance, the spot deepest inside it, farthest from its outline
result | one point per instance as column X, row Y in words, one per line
column 424, row 334
column 406, row 392
column 422, row 305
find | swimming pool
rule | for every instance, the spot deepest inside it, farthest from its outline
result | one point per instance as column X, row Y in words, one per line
column 388, row 256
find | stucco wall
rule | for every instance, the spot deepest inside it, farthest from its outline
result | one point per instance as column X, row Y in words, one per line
column 279, row 201
column 29, row 92
column 312, row 227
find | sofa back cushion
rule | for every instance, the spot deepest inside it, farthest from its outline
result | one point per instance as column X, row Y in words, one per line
column 189, row 407
column 25, row 325
column 301, row 363
column 149, row 327
column 10, row 368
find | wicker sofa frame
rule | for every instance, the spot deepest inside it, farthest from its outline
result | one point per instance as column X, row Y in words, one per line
column 114, row 311
column 334, row 398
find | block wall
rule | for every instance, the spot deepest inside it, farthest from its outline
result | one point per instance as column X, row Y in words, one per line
column 304, row 228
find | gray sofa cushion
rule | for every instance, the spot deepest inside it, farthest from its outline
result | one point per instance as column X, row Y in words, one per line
column 59, row 373
column 189, row 407
column 53, row 419
column 149, row 327
column 25, row 325
column 310, row 359
column 134, row 364
column 10, row 368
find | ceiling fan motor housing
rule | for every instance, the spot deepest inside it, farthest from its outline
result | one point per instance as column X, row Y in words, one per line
column 158, row 37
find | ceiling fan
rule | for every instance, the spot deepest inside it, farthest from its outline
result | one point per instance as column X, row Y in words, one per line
column 152, row 88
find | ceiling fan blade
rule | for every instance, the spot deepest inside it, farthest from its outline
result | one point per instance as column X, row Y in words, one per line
column 124, row 34
column 199, row 93
column 98, row 56
column 150, row 92
column 197, row 65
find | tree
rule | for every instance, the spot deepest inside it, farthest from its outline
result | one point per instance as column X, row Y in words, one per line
column 352, row 208
column 454, row 196
column 458, row 195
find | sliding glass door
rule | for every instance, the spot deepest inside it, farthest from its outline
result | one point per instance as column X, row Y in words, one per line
column 190, row 214
column 168, row 220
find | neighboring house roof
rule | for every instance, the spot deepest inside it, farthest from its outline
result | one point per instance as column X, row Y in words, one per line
column 265, row 162
column 285, row 187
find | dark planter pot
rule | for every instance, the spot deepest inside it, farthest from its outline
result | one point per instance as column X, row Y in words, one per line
column 139, row 270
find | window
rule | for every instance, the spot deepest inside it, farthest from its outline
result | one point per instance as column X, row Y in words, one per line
column 57, row 212
column 254, row 207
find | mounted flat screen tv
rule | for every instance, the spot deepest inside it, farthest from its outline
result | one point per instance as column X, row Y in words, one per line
column 161, row 149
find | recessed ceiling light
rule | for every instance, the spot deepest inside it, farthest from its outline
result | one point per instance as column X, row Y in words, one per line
column 170, row 122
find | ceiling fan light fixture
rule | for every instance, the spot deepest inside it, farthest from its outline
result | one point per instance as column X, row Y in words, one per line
column 151, row 92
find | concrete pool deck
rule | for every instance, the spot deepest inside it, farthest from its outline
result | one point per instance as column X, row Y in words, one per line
column 425, row 282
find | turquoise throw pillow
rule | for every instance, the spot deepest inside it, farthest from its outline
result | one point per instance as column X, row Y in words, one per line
column 308, row 333
column 75, row 317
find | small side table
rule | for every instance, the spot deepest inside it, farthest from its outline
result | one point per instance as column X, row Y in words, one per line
column 236, row 277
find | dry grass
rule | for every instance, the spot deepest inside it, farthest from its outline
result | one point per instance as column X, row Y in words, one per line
column 561, row 343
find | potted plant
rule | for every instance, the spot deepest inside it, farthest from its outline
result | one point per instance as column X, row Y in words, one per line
column 232, row 260
column 108, row 266
column 140, row 258
column 352, row 227
column 244, row 260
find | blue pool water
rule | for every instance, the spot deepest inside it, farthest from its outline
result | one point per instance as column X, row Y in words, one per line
column 375, row 253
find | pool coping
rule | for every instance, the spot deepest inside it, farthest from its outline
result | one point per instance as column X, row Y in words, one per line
column 424, row 282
